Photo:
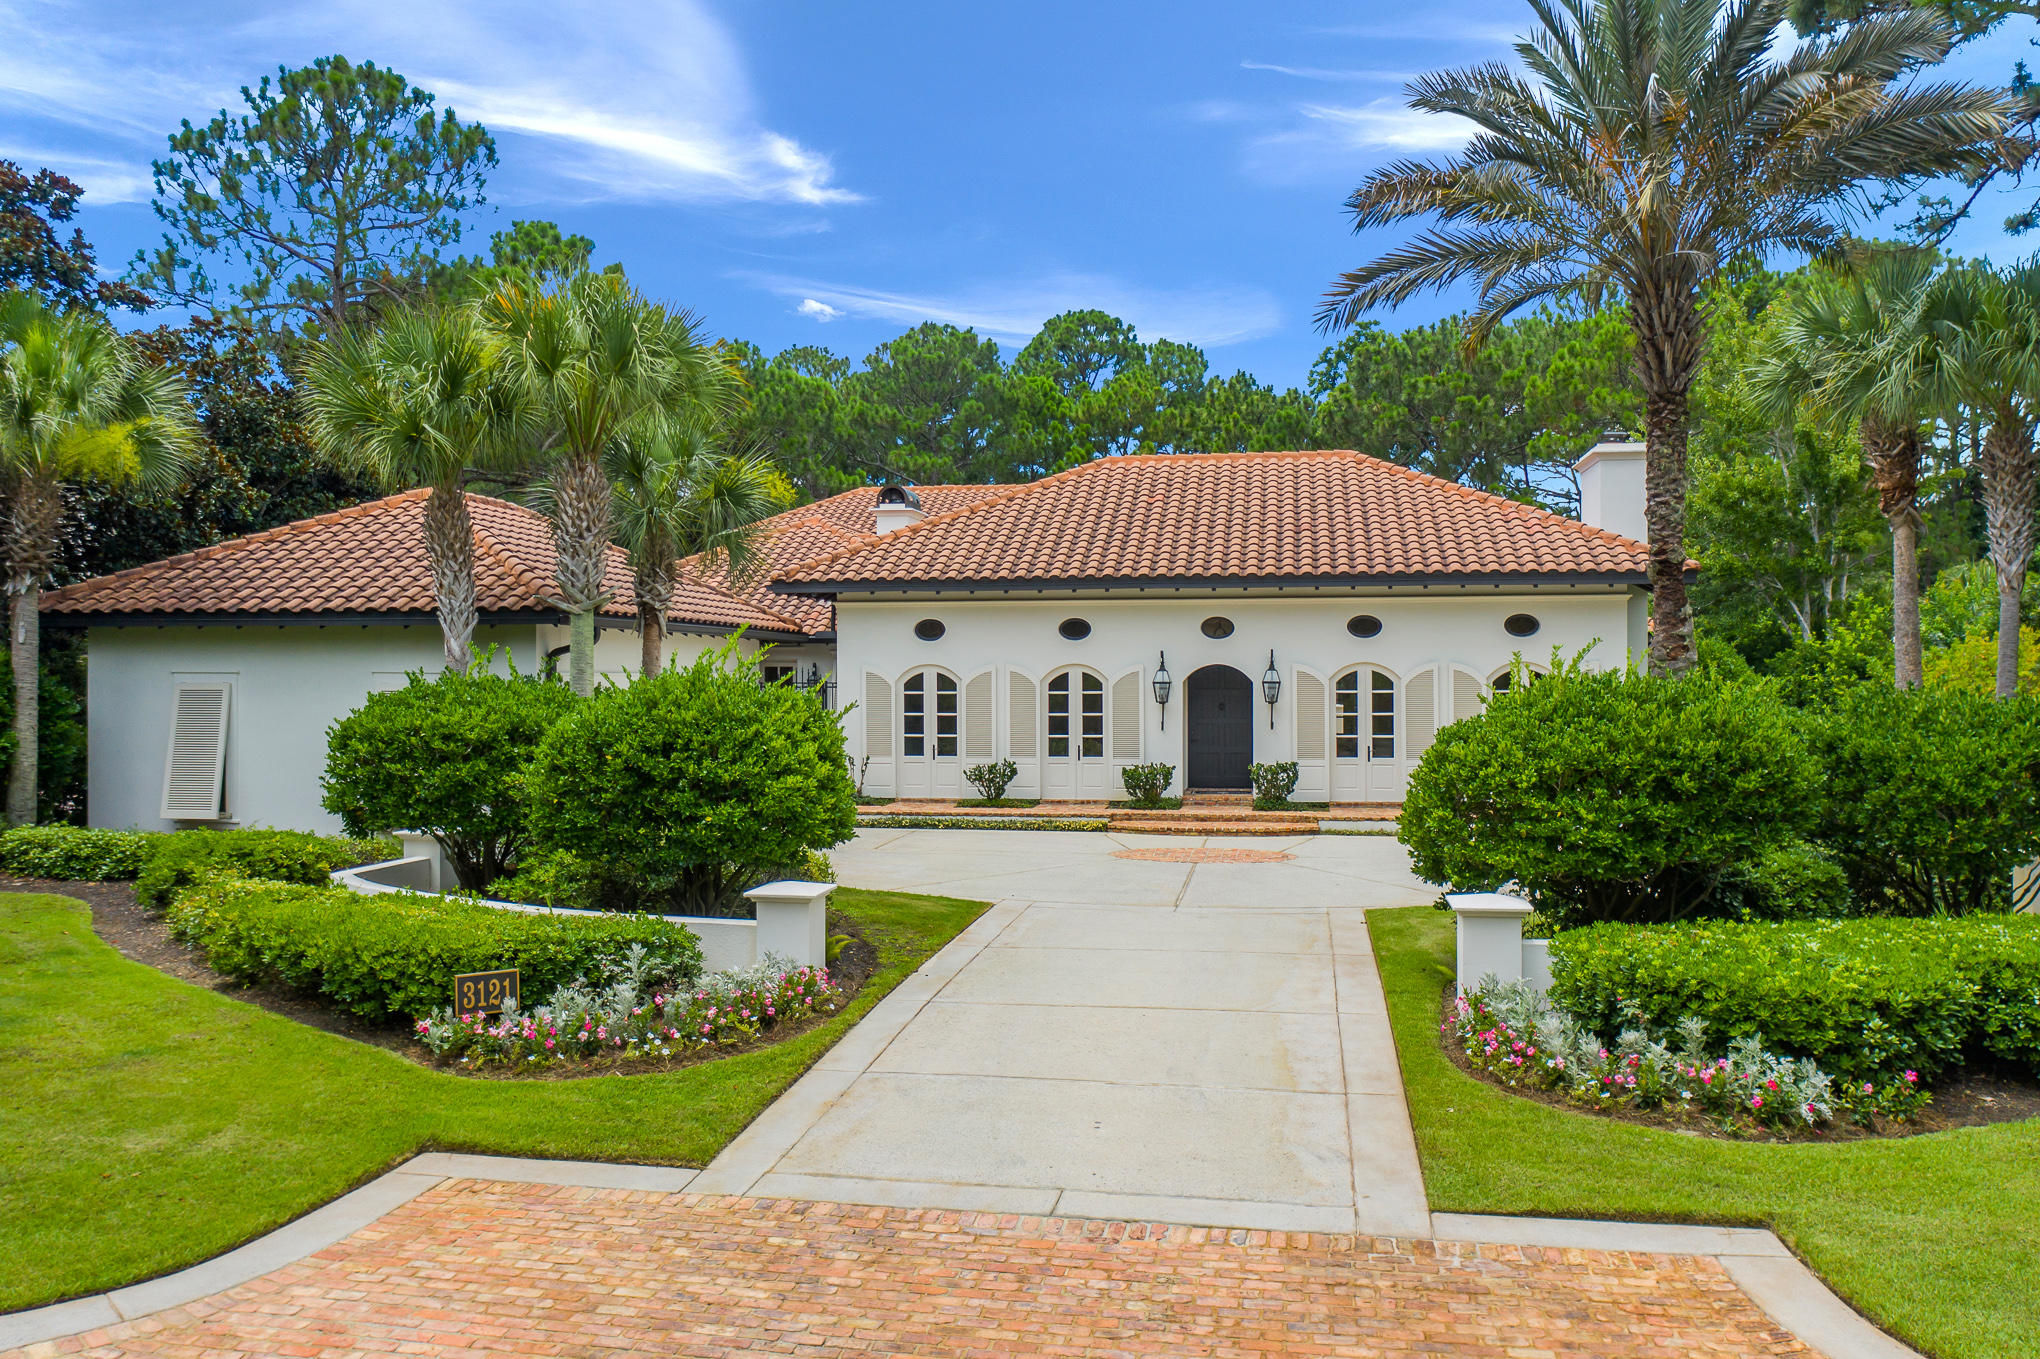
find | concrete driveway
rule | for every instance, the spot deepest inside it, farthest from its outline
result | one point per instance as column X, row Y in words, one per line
column 1196, row 1042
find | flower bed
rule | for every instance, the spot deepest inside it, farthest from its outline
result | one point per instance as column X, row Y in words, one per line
column 636, row 1017
column 1512, row 1033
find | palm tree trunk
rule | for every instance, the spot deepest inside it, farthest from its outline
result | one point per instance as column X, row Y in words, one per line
column 651, row 640
column 34, row 509
column 1664, row 317
column 1894, row 454
column 653, row 582
column 581, row 549
column 2007, row 462
column 450, row 545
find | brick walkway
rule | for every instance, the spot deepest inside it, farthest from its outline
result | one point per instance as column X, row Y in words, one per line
column 480, row 1268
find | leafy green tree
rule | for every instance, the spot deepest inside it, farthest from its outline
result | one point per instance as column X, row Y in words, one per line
column 445, row 756
column 420, row 402
column 595, row 363
column 1648, row 142
column 792, row 412
column 529, row 255
column 681, row 492
column 1845, row 346
column 257, row 467
column 924, row 407
column 333, row 191
column 76, row 405
column 1081, row 351
column 35, row 258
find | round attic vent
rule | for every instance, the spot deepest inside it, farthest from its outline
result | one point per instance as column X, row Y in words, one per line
column 930, row 629
column 1521, row 624
column 1074, row 629
column 1364, row 625
column 1217, row 627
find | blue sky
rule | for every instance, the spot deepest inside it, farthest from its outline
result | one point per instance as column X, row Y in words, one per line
column 832, row 173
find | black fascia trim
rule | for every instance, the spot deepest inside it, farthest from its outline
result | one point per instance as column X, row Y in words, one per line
column 1061, row 584
column 79, row 621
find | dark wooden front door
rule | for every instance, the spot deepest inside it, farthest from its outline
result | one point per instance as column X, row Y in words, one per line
column 1221, row 703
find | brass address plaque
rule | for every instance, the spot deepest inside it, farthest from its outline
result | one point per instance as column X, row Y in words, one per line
column 484, row 992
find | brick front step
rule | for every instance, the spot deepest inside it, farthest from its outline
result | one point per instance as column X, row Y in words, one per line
column 1238, row 827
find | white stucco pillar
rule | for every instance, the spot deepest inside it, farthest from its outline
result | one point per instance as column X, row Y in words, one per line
column 439, row 873
column 1489, row 936
column 793, row 920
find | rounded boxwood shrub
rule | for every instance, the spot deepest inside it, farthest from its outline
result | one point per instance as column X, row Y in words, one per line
column 699, row 783
column 1866, row 999
column 1610, row 796
column 444, row 756
column 1931, row 796
column 395, row 956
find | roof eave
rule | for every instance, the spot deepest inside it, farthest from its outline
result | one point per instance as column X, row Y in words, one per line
column 76, row 620
column 1058, row 584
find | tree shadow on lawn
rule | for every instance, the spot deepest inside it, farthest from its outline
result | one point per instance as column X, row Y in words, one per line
column 1930, row 1236
column 150, row 1123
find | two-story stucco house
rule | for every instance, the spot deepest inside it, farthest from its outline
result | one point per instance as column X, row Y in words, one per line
column 1202, row 611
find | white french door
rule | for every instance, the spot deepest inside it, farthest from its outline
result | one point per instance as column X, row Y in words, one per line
column 1367, row 738
column 1076, row 766
column 930, row 761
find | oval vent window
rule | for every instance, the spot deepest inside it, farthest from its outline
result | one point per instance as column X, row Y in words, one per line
column 1075, row 629
column 1364, row 625
column 1218, row 627
column 1521, row 624
column 931, row 629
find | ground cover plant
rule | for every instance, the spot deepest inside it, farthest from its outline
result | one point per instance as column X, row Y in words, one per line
column 1874, row 1217
column 391, row 956
column 936, row 821
column 151, row 1124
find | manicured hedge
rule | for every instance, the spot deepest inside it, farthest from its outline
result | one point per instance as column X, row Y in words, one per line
column 74, row 853
column 1030, row 823
column 176, row 861
column 395, row 956
column 1865, row 998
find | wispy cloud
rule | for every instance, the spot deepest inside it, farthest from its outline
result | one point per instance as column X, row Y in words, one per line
column 1325, row 73
column 1447, row 31
column 820, row 311
column 622, row 101
column 1013, row 311
column 1388, row 124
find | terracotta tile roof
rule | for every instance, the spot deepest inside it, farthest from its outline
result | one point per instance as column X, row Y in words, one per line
column 370, row 559
column 809, row 532
column 1330, row 515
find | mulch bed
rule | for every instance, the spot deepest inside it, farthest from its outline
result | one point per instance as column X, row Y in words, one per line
column 1973, row 1099
column 141, row 936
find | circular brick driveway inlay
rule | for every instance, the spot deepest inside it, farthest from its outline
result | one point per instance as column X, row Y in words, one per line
column 1205, row 856
column 485, row 1268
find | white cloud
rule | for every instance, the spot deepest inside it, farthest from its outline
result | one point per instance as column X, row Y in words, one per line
column 821, row 311
column 1325, row 73
column 1388, row 123
column 1013, row 311
column 104, row 181
column 624, row 101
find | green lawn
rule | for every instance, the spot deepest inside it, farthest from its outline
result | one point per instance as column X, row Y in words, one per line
column 1933, row 1237
column 148, row 1124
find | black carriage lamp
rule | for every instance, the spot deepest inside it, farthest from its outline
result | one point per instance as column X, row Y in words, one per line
column 1271, row 688
column 1162, row 686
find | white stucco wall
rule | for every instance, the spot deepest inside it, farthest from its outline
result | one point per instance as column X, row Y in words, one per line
column 1438, row 630
column 290, row 684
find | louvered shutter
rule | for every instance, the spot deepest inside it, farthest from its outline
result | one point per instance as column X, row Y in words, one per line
column 877, row 716
column 1126, row 717
column 195, row 775
column 1310, row 716
column 1465, row 694
column 1020, row 716
column 1420, row 705
column 977, row 717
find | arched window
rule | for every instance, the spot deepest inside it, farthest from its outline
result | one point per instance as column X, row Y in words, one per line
column 1081, row 722
column 915, row 730
column 1503, row 679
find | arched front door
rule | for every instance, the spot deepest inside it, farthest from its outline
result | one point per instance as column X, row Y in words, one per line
column 1076, row 766
column 1221, row 732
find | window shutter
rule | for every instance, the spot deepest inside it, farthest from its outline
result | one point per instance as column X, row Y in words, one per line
column 1465, row 693
column 877, row 716
column 195, row 776
column 1310, row 716
column 1020, row 716
column 977, row 717
column 1126, row 716
column 1420, row 704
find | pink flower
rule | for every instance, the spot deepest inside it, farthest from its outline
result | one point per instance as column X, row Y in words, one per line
column 1756, row 1101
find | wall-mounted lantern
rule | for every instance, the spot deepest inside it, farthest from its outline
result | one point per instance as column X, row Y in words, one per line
column 1271, row 688
column 1162, row 686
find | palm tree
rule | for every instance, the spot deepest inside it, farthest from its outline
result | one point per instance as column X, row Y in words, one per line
column 76, row 404
column 1650, row 142
column 1979, row 337
column 419, row 402
column 1848, row 346
column 679, row 493
column 598, row 364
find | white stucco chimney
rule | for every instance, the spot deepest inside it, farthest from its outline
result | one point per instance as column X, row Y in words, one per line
column 1611, row 488
column 897, row 507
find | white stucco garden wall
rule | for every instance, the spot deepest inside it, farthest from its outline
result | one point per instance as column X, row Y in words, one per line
column 1438, row 630
column 290, row 684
